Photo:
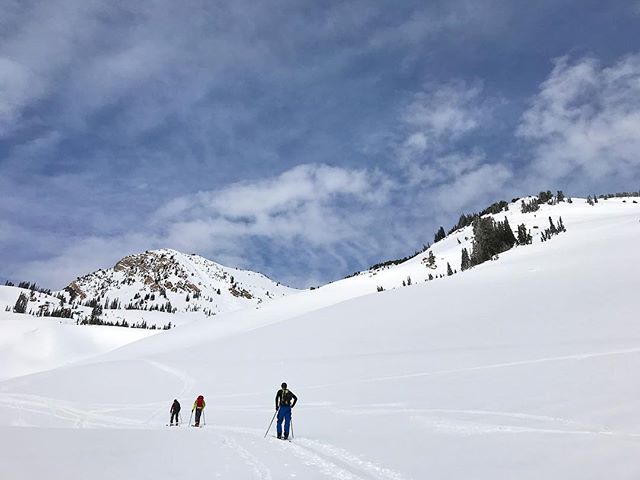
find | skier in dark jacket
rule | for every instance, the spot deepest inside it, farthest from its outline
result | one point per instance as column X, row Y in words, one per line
column 175, row 411
column 285, row 401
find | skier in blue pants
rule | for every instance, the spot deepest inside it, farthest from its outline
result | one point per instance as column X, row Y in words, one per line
column 285, row 401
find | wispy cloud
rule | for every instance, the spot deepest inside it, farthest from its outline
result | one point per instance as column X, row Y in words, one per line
column 440, row 115
column 435, row 156
column 318, row 205
column 584, row 124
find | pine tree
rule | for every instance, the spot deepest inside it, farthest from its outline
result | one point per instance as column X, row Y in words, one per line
column 466, row 261
column 524, row 237
column 440, row 234
column 95, row 313
column 560, row 196
column 21, row 304
column 545, row 197
column 449, row 270
column 431, row 259
column 530, row 206
column 508, row 237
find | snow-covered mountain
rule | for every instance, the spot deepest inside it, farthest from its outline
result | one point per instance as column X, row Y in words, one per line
column 522, row 367
column 155, row 289
column 167, row 280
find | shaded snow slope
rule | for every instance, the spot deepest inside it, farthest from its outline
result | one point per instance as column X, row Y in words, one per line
column 29, row 344
column 525, row 367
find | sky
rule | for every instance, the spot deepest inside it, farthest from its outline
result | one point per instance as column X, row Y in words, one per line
column 304, row 140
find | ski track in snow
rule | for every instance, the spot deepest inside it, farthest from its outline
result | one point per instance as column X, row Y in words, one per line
column 335, row 462
column 459, row 426
column 562, row 358
column 377, row 410
column 467, row 428
column 62, row 410
column 259, row 469
column 187, row 383
column 344, row 456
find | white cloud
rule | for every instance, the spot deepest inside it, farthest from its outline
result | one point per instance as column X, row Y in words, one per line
column 313, row 203
column 584, row 124
column 483, row 183
column 440, row 115
column 434, row 126
column 443, row 172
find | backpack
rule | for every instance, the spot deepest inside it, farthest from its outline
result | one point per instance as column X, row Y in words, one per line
column 200, row 401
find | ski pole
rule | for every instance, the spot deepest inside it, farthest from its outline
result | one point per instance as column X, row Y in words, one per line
column 270, row 423
column 190, row 417
column 291, row 426
column 204, row 417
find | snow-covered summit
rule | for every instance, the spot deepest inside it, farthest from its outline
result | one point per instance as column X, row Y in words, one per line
column 168, row 280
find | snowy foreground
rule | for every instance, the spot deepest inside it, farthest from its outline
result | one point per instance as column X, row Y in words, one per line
column 522, row 368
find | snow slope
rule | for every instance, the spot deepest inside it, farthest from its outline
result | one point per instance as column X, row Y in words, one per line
column 449, row 250
column 29, row 344
column 525, row 367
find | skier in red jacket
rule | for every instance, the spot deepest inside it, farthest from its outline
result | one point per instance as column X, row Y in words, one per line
column 198, row 406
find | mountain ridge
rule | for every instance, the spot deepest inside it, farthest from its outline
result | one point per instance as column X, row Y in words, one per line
column 175, row 282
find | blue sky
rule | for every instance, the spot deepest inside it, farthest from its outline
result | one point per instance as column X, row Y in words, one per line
column 305, row 140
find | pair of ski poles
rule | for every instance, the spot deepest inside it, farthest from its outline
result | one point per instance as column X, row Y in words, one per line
column 204, row 417
column 271, row 423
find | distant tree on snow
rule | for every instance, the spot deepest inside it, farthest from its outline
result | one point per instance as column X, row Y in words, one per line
column 431, row 260
column 465, row 264
column 21, row 304
column 524, row 237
